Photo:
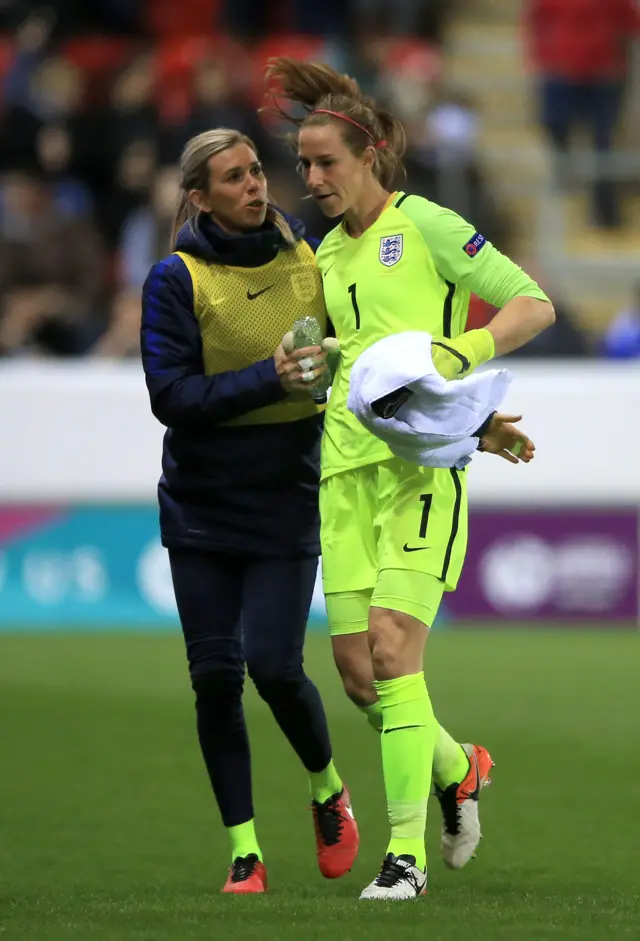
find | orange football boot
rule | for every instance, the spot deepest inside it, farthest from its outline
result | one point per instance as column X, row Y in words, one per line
column 337, row 837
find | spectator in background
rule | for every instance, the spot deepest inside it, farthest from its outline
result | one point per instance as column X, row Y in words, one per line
column 50, row 123
column 219, row 101
column 578, row 49
column 54, row 154
column 442, row 163
column 134, row 175
column 146, row 232
column 622, row 337
column 76, row 17
column 131, row 114
column 48, row 92
column 246, row 20
column 122, row 337
column 31, row 39
column 328, row 18
column 145, row 239
column 410, row 18
column 52, row 271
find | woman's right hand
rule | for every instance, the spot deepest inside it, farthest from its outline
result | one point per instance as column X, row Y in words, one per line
column 297, row 369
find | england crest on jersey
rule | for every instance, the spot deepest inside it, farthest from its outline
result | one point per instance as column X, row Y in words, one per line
column 391, row 247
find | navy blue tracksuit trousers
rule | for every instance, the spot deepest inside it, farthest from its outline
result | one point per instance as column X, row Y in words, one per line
column 241, row 612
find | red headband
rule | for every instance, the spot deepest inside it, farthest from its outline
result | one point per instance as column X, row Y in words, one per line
column 343, row 117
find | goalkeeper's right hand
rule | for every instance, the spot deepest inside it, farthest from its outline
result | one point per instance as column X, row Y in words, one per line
column 297, row 368
column 329, row 345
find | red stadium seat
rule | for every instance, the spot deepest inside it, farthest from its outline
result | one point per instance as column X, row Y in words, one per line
column 414, row 56
column 178, row 55
column 6, row 54
column 96, row 54
column 310, row 48
column 182, row 18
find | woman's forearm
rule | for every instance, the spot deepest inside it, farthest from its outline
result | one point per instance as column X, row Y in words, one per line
column 519, row 321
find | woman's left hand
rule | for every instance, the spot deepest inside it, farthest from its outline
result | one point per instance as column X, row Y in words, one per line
column 507, row 441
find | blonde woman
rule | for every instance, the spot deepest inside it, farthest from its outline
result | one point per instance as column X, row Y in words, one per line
column 239, row 489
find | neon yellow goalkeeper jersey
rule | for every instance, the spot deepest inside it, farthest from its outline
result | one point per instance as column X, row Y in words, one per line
column 413, row 269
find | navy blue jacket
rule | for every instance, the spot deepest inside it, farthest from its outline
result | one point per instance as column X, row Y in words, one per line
column 249, row 490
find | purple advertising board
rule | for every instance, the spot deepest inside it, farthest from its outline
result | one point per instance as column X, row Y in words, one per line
column 576, row 565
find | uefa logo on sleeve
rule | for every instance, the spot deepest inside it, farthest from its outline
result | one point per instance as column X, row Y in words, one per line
column 474, row 245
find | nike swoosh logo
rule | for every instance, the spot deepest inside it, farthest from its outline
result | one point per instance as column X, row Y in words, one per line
column 407, row 548
column 252, row 297
column 466, row 365
column 325, row 273
column 475, row 793
column 401, row 728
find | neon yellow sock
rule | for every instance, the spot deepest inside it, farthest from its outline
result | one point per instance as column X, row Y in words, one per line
column 450, row 762
column 324, row 784
column 243, row 840
column 373, row 714
column 408, row 737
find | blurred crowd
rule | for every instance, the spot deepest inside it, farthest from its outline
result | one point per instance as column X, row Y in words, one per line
column 579, row 51
column 97, row 100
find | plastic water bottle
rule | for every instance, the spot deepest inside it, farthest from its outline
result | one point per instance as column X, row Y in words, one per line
column 307, row 332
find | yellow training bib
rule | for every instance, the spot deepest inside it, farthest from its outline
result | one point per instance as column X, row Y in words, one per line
column 243, row 313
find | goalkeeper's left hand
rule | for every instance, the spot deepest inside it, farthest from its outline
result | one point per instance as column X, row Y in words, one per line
column 501, row 437
column 455, row 359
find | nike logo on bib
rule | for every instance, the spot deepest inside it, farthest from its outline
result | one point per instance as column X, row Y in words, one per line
column 252, row 297
column 407, row 548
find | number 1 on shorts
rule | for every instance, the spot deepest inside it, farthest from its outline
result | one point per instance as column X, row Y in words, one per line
column 426, row 500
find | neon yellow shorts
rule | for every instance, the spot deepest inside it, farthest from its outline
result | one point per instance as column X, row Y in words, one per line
column 393, row 535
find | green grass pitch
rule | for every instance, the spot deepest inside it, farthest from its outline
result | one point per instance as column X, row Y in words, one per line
column 108, row 831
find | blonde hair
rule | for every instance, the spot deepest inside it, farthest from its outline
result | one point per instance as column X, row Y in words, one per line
column 194, row 175
column 361, row 121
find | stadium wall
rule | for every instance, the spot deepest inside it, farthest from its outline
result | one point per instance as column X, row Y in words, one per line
column 556, row 540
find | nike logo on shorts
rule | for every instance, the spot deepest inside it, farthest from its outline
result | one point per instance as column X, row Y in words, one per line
column 252, row 297
column 407, row 548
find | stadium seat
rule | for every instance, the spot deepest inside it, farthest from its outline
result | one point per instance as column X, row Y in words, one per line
column 309, row 48
column 96, row 54
column 186, row 18
column 6, row 54
column 413, row 57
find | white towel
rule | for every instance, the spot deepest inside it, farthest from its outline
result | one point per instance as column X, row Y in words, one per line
column 434, row 427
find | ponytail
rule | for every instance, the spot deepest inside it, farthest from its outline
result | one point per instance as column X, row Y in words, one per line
column 330, row 97
column 181, row 216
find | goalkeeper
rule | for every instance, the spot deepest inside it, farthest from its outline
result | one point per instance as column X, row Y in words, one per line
column 394, row 534
column 239, row 490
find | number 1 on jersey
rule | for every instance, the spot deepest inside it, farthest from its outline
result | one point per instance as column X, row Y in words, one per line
column 354, row 301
